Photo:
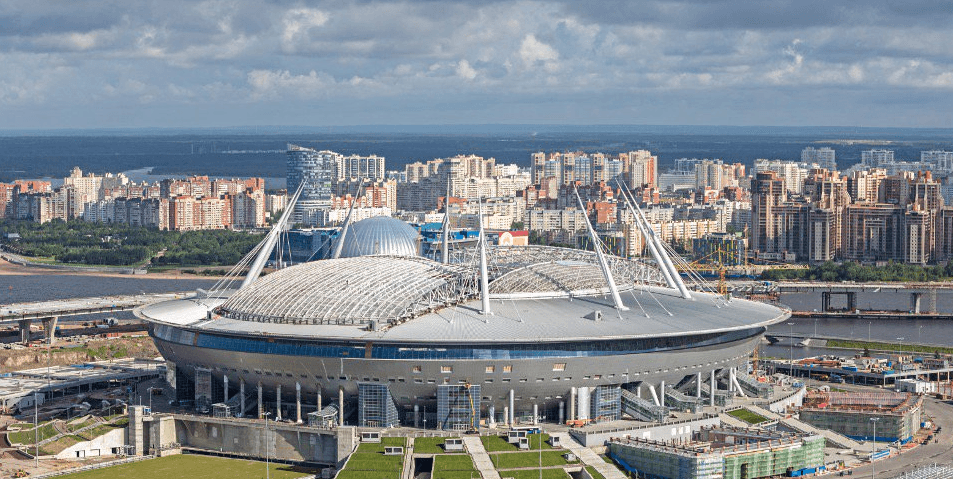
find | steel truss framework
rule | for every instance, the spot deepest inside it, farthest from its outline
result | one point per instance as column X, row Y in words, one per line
column 388, row 290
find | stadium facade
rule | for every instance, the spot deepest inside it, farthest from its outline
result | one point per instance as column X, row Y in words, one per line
column 488, row 334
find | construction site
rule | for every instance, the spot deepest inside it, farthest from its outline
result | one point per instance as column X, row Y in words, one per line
column 723, row 453
column 894, row 416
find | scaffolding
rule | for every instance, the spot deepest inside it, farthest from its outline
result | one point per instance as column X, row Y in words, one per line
column 928, row 472
column 203, row 387
column 606, row 403
column 642, row 409
column 458, row 406
column 850, row 413
column 375, row 406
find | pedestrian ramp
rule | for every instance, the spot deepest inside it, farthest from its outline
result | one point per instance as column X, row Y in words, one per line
column 481, row 459
column 589, row 457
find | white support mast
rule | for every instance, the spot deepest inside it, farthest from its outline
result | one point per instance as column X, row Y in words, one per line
column 445, row 247
column 269, row 243
column 347, row 224
column 651, row 244
column 484, row 281
column 597, row 245
column 661, row 256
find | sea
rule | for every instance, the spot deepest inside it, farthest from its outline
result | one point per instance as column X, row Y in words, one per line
column 259, row 151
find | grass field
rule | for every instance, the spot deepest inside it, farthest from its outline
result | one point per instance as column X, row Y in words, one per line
column 594, row 473
column 379, row 447
column 431, row 445
column 57, row 446
column 27, row 437
column 555, row 473
column 453, row 462
column 747, row 416
column 876, row 346
column 528, row 459
column 76, row 425
column 191, row 467
column 499, row 444
column 372, row 461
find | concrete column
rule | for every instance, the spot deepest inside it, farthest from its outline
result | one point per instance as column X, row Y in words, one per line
column 320, row 399
column 225, row 387
column 491, row 412
column 731, row 384
column 698, row 385
column 512, row 408
column 417, row 415
column 572, row 404
column 261, row 411
column 914, row 303
column 341, row 405
column 638, row 391
column 655, row 397
column 535, row 413
column 278, row 412
column 714, row 387
column 298, row 402
column 506, row 415
column 24, row 325
column 562, row 412
column 49, row 327
column 851, row 301
column 825, row 302
column 661, row 394
column 241, row 396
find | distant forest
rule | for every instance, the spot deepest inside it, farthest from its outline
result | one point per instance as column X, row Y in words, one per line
column 850, row 271
column 80, row 242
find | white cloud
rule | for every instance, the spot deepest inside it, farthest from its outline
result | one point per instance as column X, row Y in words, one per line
column 465, row 71
column 297, row 23
column 533, row 50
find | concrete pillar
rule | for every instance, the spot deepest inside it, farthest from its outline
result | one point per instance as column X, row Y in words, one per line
column 535, row 414
column 491, row 412
column 638, row 391
column 24, row 325
column 655, row 397
column 320, row 399
column 825, row 301
column 298, row 403
column 225, row 387
column 698, row 385
column 914, row 303
column 261, row 410
column 506, row 415
column 714, row 387
column 512, row 408
column 562, row 412
column 417, row 415
column 241, row 397
column 278, row 412
column 661, row 394
column 851, row 301
column 731, row 384
column 341, row 405
column 49, row 327
column 572, row 404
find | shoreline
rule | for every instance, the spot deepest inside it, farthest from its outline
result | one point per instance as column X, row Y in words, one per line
column 10, row 269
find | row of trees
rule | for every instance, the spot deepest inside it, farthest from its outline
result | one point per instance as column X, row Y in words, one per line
column 123, row 245
column 851, row 271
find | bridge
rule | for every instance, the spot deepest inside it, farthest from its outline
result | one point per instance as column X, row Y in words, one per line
column 50, row 311
column 847, row 289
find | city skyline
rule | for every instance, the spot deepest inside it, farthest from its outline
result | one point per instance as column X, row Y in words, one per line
column 219, row 64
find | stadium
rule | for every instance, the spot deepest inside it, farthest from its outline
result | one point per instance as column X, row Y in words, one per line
column 379, row 336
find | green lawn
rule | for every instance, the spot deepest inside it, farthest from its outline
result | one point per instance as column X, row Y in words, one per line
column 556, row 473
column 97, row 431
column 348, row 474
column 76, row 425
column 27, row 437
column 385, row 442
column 57, row 446
column 594, row 473
column 193, row 467
column 453, row 462
column 528, row 459
column 431, row 445
column 747, row 416
column 499, row 444
column 372, row 461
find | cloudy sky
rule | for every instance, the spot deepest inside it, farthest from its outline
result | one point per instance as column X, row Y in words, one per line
column 168, row 63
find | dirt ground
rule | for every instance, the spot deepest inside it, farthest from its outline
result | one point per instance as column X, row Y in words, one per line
column 77, row 351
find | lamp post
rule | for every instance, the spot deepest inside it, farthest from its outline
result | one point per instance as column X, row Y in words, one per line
column 36, row 432
column 868, row 331
column 920, row 335
column 900, row 352
column 267, row 466
column 873, row 444
column 815, row 328
column 149, row 390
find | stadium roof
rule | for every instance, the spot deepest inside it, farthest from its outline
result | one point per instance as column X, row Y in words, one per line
column 380, row 235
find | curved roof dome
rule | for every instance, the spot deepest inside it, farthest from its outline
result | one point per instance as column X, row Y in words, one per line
column 380, row 235
column 351, row 291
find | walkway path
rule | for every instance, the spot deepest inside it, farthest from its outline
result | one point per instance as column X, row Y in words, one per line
column 481, row 459
column 589, row 457
column 832, row 437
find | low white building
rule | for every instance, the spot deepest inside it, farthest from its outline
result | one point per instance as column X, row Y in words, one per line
column 915, row 386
